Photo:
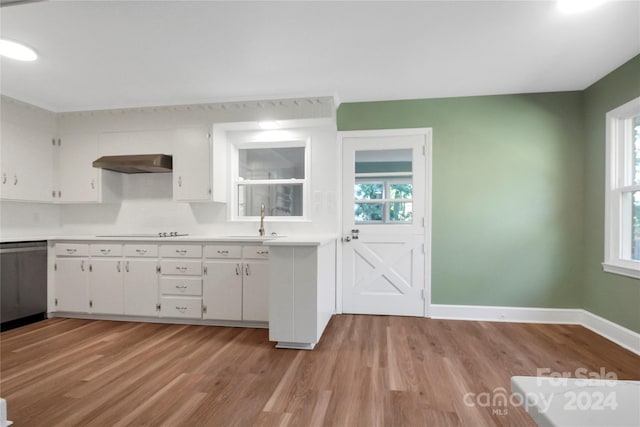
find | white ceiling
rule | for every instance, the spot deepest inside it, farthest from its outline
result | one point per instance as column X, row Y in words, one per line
column 113, row 54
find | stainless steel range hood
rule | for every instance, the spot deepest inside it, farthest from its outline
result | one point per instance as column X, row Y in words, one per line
column 136, row 163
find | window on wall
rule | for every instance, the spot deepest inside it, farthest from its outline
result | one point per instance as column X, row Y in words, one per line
column 273, row 174
column 622, row 215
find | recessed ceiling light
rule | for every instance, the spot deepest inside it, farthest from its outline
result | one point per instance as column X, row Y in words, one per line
column 17, row 51
column 574, row 6
column 269, row 125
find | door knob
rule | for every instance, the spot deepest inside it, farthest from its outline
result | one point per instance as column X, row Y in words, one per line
column 346, row 239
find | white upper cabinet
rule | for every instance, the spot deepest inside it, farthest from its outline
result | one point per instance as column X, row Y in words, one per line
column 77, row 180
column 26, row 154
column 192, row 157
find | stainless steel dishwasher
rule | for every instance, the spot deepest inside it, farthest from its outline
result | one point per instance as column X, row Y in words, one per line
column 23, row 283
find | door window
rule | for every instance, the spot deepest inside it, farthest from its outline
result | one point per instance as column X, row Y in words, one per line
column 383, row 190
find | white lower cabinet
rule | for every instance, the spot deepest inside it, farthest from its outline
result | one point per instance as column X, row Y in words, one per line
column 211, row 282
column 181, row 281
column 71, row 280
column 106, row 290
column 222, row 290
column 238, row 289
column 141, row 287
column 255, row 292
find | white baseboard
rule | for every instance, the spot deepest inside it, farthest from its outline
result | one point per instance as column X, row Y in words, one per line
column 574, row 316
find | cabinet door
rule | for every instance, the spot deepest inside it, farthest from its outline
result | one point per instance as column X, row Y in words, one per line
column 71, row 284
column 27, row 163
column 255, row 292
column 77, row 178
column 192, row 165
column 140, row 287
column 10, row 135
column 222, row 290
column 106, row 290
column 34, row 178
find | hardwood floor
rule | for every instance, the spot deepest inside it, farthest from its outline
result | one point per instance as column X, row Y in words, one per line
column 366, row 371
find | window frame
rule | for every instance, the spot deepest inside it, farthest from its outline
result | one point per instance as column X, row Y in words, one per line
column 619, row 152
column 278, row 142
column 387, row 180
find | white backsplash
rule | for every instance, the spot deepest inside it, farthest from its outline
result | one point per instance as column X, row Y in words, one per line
column 19, row 219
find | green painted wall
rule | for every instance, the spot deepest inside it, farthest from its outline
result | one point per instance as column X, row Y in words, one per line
column 614, row 297
column 507, row 194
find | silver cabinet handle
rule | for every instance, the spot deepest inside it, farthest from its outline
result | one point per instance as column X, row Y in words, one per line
column 82, row 265
column 4, row 178
column 105, row 251
column 71, row 251
column 181, row 286
column 180, row 181
column 118, row 267
column 181, row 269
column 126, row 266
column 181, row 309
column 205, row 270
column 237, row 269
column 181, row 252
column 223, row 252
column 15, row 179
column 141, row 251
column 246, row 270
column 93, row 184
column 262, row 252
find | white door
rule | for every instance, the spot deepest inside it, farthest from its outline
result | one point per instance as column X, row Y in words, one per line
column 385, row 221
column 255, row 291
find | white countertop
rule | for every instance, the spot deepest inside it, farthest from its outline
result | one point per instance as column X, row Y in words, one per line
column 579, row 402
column 306, row 240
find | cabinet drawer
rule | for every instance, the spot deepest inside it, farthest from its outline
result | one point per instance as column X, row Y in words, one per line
column 182, row 286
column 181, row 251
column 72, row 249
column 255, row 252
column 140, row 250
column 222, row 251
column 181, row 267
column 181, row 307
column 105, row 250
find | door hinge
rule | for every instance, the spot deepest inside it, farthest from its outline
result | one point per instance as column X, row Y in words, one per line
column 422, row 294
column 56, row 302
column 209, row 191
column 90, row 303
column 157, row 307
column 423, row 251
column 424, row 150
column 422, row 222
column 204, row 309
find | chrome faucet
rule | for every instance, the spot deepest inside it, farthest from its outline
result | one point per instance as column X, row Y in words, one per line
column 261, row 229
